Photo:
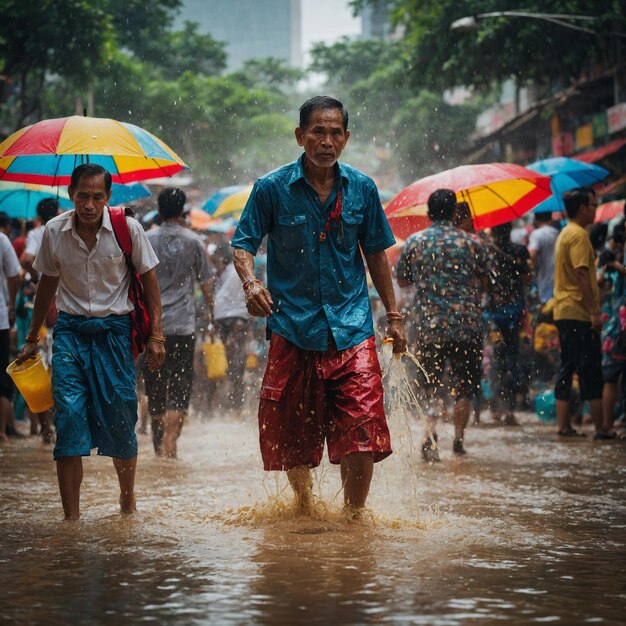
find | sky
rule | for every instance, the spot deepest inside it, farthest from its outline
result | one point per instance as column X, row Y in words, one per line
column 327, row 21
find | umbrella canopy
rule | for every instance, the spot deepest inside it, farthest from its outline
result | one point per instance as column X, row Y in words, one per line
column 199, row 219
column 608, row 210
column 409, row 221
column 234, row 204
column 495, row 192
column 566, row 174
column 47, row 152
column 210, row 206
column 121, row 194
column 21, row 199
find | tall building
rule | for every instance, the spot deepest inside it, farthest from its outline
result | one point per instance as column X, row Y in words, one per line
column 375, row 20
column 251, row 29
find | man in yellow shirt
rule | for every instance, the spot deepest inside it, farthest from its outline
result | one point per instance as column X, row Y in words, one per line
column 577, row 312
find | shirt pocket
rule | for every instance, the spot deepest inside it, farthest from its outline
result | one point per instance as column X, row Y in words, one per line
column 292, row 233
column 348, row 230
column 109, row 270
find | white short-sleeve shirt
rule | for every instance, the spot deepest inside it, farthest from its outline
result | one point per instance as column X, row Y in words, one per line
column 9, row 268
column 92, row 282
column 33, row 240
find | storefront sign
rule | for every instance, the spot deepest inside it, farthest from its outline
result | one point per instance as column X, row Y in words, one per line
column 616, row 117
column 600, row 125
column 584, row 136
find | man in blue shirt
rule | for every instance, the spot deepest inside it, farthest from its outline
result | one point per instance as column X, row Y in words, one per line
column 323, row 380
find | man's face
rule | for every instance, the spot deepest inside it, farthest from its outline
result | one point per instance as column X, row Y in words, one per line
column 324, row 138
column 90, row 197
column 590, row 209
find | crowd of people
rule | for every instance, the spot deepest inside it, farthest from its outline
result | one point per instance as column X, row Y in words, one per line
column 515, row 318
column 492, row 317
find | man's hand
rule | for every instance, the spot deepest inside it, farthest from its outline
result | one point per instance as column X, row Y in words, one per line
column 596, row 322
column 395, row 331
column 29, row 350
column 258, row 299
column 154, row 355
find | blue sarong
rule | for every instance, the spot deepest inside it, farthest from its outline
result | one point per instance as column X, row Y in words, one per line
column 93, row 385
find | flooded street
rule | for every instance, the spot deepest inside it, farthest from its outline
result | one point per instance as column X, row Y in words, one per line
column 523, row 530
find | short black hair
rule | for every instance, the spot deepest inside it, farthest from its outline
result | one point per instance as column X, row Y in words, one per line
column 90, row 169
column 47, row 209
column 598, row 235
column 321, row 102
column 171, row 202
column 5, row 220
column 543, row 217
column 502, row 234
column 576, row 198
column 441, row 204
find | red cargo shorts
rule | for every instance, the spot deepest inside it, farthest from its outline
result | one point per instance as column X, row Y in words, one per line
column 309, row 397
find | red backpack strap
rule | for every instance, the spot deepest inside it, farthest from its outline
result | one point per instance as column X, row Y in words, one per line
column 120, row 229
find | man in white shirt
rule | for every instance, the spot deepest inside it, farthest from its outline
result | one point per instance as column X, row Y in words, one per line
column 93, row 382
column 46, row 210
column 9, row 277
column 541, row 247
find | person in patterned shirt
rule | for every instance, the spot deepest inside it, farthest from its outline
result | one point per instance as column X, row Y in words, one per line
column 449, row 268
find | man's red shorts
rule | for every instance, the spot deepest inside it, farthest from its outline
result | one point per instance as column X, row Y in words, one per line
column 309, row 397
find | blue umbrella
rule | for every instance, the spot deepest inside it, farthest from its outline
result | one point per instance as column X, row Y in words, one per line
column 21, row 200
column 121, row 194
column 210, row 206
column 149, row 216
column 566, row 174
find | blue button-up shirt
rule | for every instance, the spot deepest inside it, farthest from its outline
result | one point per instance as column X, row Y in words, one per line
column 316, row 285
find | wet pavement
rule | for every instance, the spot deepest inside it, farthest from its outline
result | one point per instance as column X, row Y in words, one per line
column 525, row 529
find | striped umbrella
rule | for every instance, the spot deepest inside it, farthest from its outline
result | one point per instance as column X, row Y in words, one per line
column 495, row 192
column 47, row 152
column 211, row 205
column 234, row 204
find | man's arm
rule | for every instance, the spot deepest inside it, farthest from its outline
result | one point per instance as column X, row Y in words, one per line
column 46, row 290
column 207, row 288
column 13, row 284
column 258, row 298
column 584, row 286
column 155, row 350
column 378, row 266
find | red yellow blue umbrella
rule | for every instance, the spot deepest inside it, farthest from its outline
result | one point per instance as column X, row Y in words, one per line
column 47, row 152
column 496, row 192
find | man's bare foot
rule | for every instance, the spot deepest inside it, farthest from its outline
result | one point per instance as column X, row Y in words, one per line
column 353, row 513
column 302, row 484
column 128, row 505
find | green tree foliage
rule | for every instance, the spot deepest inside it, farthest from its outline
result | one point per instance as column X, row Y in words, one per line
column 404, row 129
column 529, row 49
column 62, row 37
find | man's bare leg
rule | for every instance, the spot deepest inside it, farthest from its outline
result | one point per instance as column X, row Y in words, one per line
column 302, row 484
column 157, row 425
column 70, row 477
column 562, row 416
column 609, row 398
column 173, row 424
column 125, row 469
column 356, row 475
column 461, row 418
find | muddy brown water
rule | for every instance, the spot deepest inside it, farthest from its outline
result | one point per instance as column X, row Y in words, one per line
column 524, row 530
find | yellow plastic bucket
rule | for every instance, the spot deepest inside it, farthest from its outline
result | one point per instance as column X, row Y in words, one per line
column 215, row 357
column 33, row 381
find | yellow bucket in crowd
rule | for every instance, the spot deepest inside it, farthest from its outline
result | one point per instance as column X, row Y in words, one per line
column 33, row 381
column 215, row 358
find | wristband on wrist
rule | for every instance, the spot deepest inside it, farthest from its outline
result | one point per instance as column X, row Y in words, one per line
column 157, row 339
column 394, row 315
column 31, row 339
column 249, row 282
